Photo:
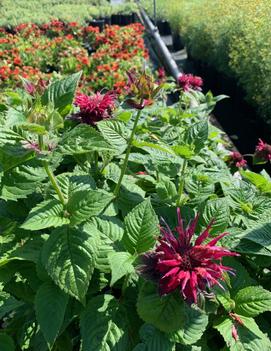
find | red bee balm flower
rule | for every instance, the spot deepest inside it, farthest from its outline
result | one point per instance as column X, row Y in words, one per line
column 237, row 159
column 95, row 108
column 263, row 152
column 188, row 81
column 176, row 263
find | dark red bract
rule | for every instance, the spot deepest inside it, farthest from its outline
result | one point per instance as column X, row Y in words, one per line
column 178, row 264
column 237, row 159
column 94, row 108
column 262, row 152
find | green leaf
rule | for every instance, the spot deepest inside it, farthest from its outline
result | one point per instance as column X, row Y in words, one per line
column 194, row 322
column 8, row 136
column 50, row 301
column 6, row 343
column 69, row 257
column 250, row 337
column 70, row 183
column 106, row 246
column 49, row 213
column 141, row 228
column 259, row 237
column 240, row 280
column 184, row 151
column 21, row 181
column 263, row 184
column 166, row 190
column 103, row 325
column 115, row 133
column 112, row 227
column 252, row 301
column 121, row 264
column 197, row 134
column 165, row 313
column 13, row 155
column 61, row 92
column 8, row 304
column 147, row 145
column 153, row 340
column 82, row 139
column 130, row 195
column 219, row 211
column 84, row 204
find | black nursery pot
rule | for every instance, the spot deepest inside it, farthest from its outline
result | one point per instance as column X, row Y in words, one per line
column 127, row 19
column 164, row 27
column 116, row 20
column 9, row 30
column 178, row 43
column 107, row 20
column 100, row 23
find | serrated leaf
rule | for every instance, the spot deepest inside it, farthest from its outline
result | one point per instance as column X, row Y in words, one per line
column 252, row 301
column 219, row 211
column 106, row 247
column 84, row 204
column 197, row 135
column 121, row 264
column 129, row 196
column 82, row 139
column 114, row 132
column 21, row 181
column 61, row 92
column 166, row 190
column 250, row 337
column 49, row 213
column 141, row 228
column 261, row 234
column 112, row 227
column 6, row 343
column 50, row 301
column 103, row 326
column 8, row 136
column 69, row 257
column 70, row 183
column 193, row 325
column 165, row 312
column 154, row 340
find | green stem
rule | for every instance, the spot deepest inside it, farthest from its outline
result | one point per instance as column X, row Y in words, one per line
column 41, row 142
column 54, row 182
column 50, row 174
column 128, row 151
column 181, row 185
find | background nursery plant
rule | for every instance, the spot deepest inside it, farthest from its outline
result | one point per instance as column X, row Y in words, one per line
column 123, row 228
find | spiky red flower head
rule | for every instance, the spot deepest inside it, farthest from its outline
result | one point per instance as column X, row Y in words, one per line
column 237, row 159
column 263, row 152
column 188, row 81
column 192, row 268
column 95, row 108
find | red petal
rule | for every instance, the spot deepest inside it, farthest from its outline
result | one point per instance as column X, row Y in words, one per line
column 204, row 235
column 173, row 271
column 215, row 240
